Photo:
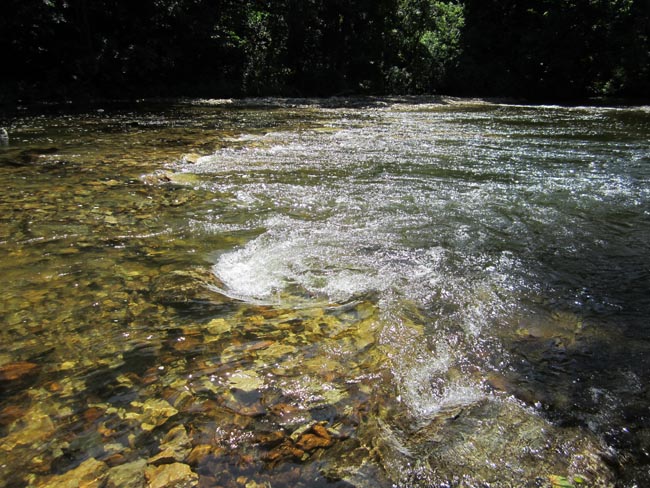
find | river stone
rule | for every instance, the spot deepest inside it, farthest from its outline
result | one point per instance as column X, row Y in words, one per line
column 204, row 452
column 276, row 351
column 191, row 158
column 38, row 427
column 186, row 179
column 176, row 475
column 157, row 178
column 218, row 326
column 247, row 381
column 10, row 414
column 130, row 475
column 89, row 474
column 185, row 286
column 468, row 445
column 155, row 413
column 175, row 447
column 317, row 437
column 270, row 439
column 289, row 417
column 17, row 370
column 286, row 450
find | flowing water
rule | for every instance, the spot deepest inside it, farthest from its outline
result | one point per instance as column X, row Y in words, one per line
column 368, row 293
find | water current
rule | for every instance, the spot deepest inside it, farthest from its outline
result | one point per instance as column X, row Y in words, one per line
column 369, row 293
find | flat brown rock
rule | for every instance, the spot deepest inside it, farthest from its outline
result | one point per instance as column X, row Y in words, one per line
column 15, row 371
column 309, row 442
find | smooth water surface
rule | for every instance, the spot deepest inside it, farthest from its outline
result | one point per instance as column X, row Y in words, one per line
column 315, row 293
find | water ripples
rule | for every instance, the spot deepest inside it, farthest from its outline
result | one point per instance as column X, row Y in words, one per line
column 442, row 286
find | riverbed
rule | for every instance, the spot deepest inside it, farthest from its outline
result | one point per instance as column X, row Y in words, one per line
column 342, row 292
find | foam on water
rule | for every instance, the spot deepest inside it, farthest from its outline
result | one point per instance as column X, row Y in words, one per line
column 313, row 258
column 425, row 388
column 358, row 211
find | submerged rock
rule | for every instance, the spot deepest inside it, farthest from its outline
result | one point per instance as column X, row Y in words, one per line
column 204, row 452
column 35, row 426
column 17, row 370
column 154, row 413
column 171, row 177
column 317, row 437
column 286, row 450
column 187, row 287
column 89, row 474
column 176, row 475
column 247, row 381
column 217, row 327
column 32, row 155
column 17, row 376
column 492, row 442
column 129, row 475
column 175, row 447
column 191, row 158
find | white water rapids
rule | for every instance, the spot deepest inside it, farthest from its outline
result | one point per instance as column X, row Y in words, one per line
column 467, row 213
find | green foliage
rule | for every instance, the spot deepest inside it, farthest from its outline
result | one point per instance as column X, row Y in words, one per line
column 553, row 48
column 264, row 49
column 560, row 482
column 426, row 38
column 564, row 482
column 442, row 39
column 531, row 48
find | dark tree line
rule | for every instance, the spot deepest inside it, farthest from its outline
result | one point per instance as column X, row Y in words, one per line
column 127, row 48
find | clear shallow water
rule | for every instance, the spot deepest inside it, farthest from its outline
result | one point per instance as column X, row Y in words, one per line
column 456, row 292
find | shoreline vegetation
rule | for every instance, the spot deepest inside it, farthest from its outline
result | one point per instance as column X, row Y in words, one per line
column 563, row 52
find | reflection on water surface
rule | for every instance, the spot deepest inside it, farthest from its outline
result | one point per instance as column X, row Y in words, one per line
column 325, row 293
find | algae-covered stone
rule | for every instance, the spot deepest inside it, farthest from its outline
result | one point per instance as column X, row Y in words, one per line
column 309, row 442
column 155, row 412
column 333, row 394
column 175, row 446
column 276, row 351
column 186, row 286
column 218, row 327
column 89, row 474
column 310, row 391
column 129, row 475
column 35, row 426
column 203, row 453
column 248, row 381
column 471, row 442
column 191, row 158
column 176, row 475
column 286, row 450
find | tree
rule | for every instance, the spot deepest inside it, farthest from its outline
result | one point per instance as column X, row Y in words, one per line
column 427, row 42
column 124, row 48
column 553, row 49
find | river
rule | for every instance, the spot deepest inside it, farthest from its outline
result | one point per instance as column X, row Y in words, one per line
column 370, row 293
